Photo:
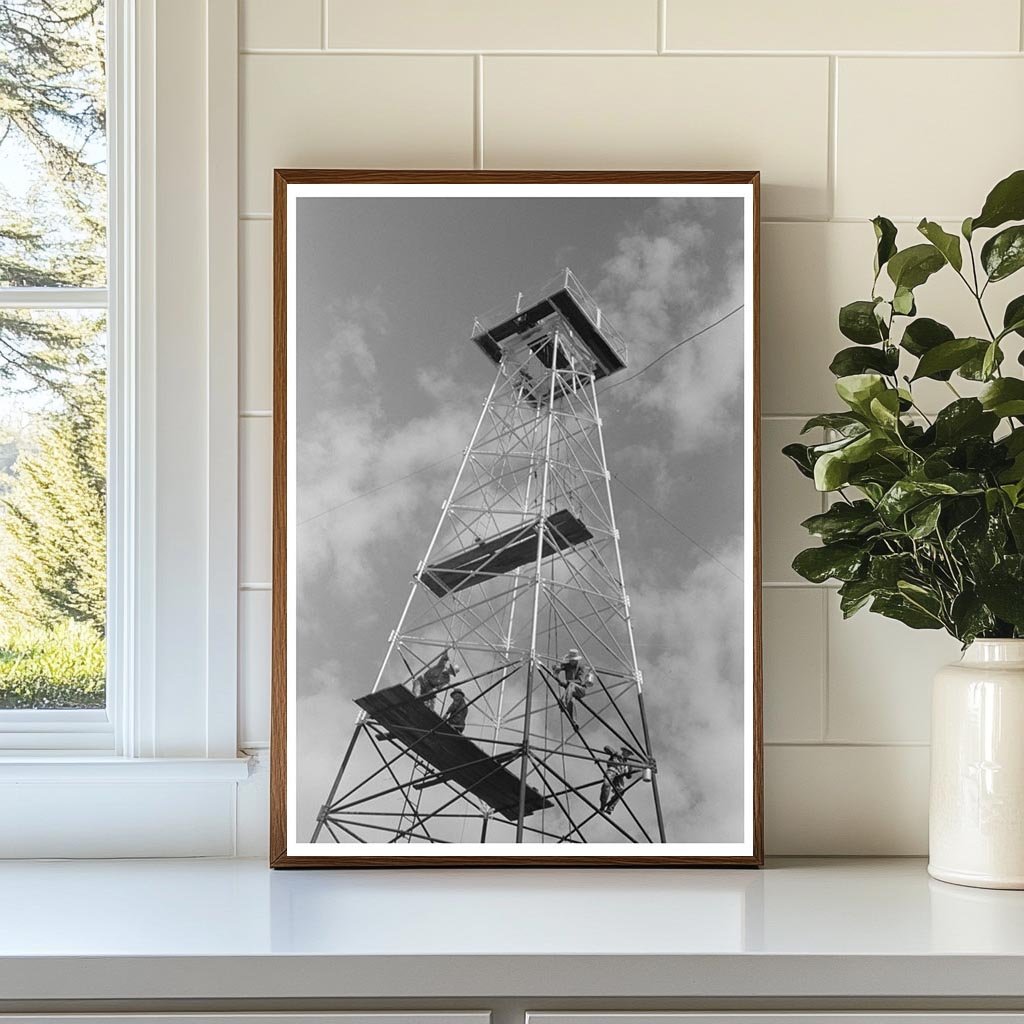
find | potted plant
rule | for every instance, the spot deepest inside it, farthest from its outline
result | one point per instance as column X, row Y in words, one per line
column 926, row 521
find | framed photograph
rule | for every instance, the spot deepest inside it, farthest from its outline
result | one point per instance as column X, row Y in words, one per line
column 516, row 586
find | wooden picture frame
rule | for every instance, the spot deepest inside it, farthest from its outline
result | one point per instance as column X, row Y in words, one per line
column 410, row 719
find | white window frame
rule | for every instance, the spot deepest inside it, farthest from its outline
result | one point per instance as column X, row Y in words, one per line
column 85, row 730
column 171, row 715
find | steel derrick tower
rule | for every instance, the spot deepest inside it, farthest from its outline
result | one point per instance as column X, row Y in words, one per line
column 509, row 705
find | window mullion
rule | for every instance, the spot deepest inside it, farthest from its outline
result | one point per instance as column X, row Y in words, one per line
column 53, row 298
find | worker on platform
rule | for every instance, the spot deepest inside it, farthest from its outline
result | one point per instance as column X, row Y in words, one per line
column 574, row 680
column 618, row 770
column 455, row 716
column 437, row 675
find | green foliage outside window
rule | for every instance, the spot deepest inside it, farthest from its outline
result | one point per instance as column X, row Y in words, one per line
column 52, row 364
column 927, row 521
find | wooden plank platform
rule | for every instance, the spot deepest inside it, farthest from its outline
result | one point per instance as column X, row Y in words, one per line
column 461, row 761
column 562, row 301
column 504, row 553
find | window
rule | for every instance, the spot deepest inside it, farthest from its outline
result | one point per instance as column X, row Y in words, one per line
column 53, row 365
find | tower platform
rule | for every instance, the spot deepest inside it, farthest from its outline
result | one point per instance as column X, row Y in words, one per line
column 595, row 343
column 410, row 722
column 504, row 553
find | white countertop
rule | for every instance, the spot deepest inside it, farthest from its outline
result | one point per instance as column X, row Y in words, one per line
column 233, row 929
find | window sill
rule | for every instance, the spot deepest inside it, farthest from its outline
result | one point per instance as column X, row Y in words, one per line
column 77, row 767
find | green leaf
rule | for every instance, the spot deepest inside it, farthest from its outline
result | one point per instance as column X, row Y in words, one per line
column 970, row 617
column 858, row 389
column 925, row 518
column 857, row 321
column 1013, row 316
column 923, row 335
column 1004, row 397
column 885, row 238
column 1015, row 519
column 950, row 355
column 885, row 409
column 1003, row 254
column 864, row 447
column 964, row 418
column 842, row 521
column 849, row 361
column 912, row 267
column 947, row 244
column 831, row 471
column 799, row 455
column 854, row 594
column 990, row 360
column 842, row 561
column 906, row 494
column 841, row 421
column 965, row 229
column 974, row 368
column 1005, row 596
column 899, row 608
column 903, row 302
column 1014, row 441
column 887, row 570
column 817, row 450
column 1005, row 202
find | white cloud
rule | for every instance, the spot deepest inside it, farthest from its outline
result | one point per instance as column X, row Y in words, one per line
column 691, row 640
column 665, row 282
column 358, row 485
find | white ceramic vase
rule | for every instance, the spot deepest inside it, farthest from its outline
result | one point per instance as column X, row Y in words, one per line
column 976, row 814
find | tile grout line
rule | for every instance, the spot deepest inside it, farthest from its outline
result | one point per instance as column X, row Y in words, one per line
column 768, row 55
column 824, row 724
column 260, row 215
column 854, row 744
column 826, row 688
column 323, row 24
column 1020, row 25
column 478, row 111
column 828, row 585
column 662, row 27
column 833, row 134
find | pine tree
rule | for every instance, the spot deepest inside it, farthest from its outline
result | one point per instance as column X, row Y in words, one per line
column 53, row 123
column 53, row 519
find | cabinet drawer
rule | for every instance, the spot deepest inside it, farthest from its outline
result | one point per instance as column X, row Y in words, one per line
column 360, row 1017
column 847, row 1017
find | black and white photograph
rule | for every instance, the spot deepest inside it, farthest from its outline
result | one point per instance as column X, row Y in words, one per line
column 515, row 523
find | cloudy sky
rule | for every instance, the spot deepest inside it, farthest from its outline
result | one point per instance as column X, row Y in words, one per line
column 388, row 382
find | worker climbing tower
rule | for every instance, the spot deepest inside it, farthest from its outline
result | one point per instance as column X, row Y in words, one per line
column 509, row 705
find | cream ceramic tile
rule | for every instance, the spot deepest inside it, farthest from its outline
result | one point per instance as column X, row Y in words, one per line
column 787, row 498
column 351, row 111
column 270, row 24
column 254, row 667
column 868, row 25
column 880, row 676
column 962, row 129
column 848, row 801
column 255, row 482
column 794, row 646
column 255, row 325
column 470, row 25
column 808, row 271
column 666, row 112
